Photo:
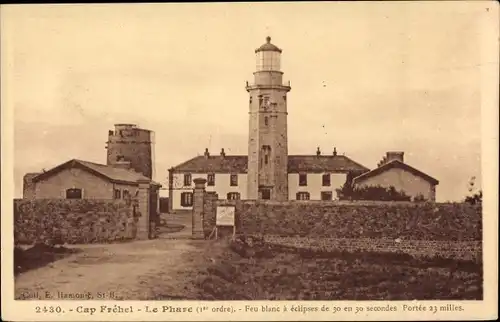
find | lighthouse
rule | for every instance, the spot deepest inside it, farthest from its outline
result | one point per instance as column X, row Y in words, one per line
column 267, row 136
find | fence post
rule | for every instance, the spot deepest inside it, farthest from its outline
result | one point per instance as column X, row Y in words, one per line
column 198, row 200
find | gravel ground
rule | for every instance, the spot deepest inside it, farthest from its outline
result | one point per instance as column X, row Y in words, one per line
column 141, row 270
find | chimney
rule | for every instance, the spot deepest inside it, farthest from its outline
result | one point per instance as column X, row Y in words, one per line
column 318, row 152
column 206, row 154
column 382, row 162
column 222, row 153
column 122, row 164
column 334, row 151
column 394, row 155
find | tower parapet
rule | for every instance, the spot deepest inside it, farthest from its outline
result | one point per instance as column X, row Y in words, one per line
column 127, row 142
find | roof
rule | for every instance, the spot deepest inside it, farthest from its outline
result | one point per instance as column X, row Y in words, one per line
column 113, row 174
column 296, row 163
column 395, row 164
column 323, row 163
column 268, row 46
column 217, row 163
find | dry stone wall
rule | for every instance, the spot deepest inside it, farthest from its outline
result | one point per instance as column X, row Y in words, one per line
column 464, row 250
column 80, row 221
column 447, row 222
column 421, row 229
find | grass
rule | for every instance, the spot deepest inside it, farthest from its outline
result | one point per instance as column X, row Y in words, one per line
column 270, row 273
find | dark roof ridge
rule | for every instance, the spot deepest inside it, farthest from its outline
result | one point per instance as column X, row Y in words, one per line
column 239, row 163
column 85, row 161
column 98, row 172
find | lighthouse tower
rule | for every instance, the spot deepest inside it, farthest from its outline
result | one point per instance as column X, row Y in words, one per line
column 267, row 140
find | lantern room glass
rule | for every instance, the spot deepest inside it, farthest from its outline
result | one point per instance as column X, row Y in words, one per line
column 268, row 60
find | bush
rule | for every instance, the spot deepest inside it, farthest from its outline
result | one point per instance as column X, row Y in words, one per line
column 378, row 193
column 476, row 198
column 419, row 198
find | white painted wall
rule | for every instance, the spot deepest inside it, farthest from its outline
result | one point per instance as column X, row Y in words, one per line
column 315, row 185
column 222, row 186
column 402, row 180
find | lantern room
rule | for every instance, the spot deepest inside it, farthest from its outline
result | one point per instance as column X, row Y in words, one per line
column 268, row 57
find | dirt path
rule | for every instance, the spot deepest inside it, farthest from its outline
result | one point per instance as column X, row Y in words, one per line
column 141, row 270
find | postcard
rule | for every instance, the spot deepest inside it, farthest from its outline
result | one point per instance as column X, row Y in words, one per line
column 308, row 161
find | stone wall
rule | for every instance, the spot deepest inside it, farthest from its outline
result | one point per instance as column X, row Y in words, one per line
column 433, row 229
column 81, row 221
column 415, row 221
column 463, row 250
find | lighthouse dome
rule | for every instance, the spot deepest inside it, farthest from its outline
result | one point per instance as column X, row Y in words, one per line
column 268, row 46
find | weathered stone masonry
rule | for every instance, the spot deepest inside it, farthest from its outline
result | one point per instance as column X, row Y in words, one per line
column 427, row 229
column 77, row 221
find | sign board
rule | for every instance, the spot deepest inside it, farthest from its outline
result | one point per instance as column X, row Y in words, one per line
column 225, row 216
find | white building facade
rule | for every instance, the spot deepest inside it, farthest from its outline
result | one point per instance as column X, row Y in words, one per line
column 310, row 177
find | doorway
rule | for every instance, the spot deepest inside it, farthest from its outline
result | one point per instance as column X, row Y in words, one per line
column 265, row 193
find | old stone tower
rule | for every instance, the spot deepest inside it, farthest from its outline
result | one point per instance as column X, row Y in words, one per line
column 130, row 146
column 267, row 140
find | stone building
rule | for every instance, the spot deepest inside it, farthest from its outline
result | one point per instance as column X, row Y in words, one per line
column 129, row 161
column 127, row 174
column 392, row 171
column 78, row 179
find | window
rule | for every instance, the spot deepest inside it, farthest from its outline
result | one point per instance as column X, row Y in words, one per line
column 211, row 179
column 187, row 179
column 186, row 199
column 302, row 179
column 233, row 180
column 266, row 159
column 74, row 193
column 266, row 120
column 302, row 195
column 126, row 194
column 233, row 196
column 266, row 102
column 118, row 194
column 266, row 194
column 326, row 195
column 326, row 180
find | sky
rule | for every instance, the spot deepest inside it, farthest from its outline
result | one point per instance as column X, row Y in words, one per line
column 366, row 77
